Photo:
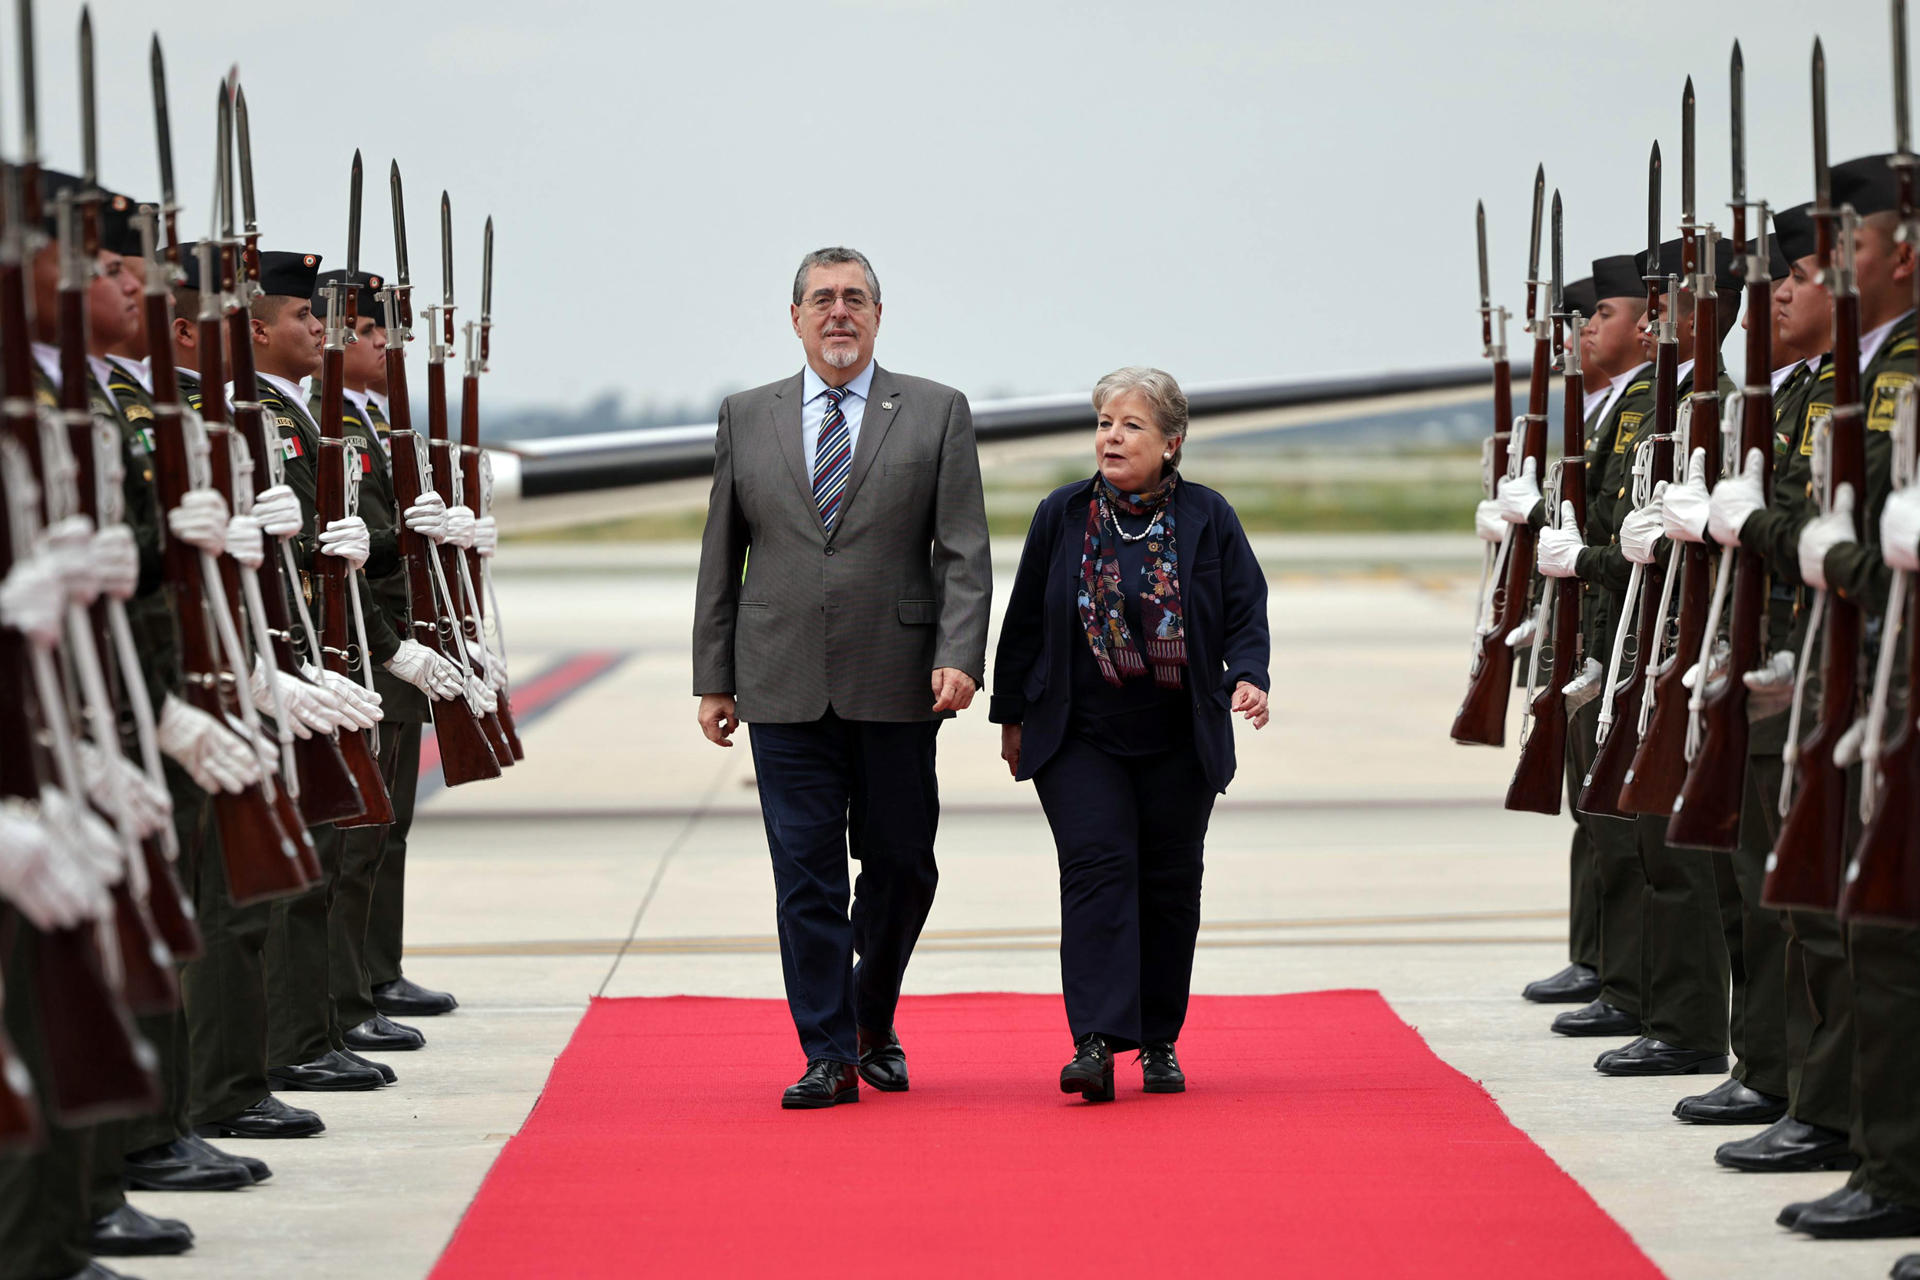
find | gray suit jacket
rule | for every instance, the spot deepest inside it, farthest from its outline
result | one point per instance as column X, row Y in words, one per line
column 791, row 621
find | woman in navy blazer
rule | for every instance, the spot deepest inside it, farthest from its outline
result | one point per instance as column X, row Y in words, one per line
column 1137, row 627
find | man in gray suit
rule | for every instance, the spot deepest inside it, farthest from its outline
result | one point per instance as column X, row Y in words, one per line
column 855, row 626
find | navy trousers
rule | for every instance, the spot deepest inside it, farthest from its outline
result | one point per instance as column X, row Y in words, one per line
column 1130, row 832
column 831, row 788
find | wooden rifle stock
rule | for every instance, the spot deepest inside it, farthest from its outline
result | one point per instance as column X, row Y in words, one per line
column 465, row 753
column 1707, row 813
column 1883, row 885
column 1482, row 718
column 337, row 643
column 470, row 482
column 1809, row 858
column 328, row 792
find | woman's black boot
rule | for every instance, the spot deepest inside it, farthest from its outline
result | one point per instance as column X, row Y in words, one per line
column 1090, row 1074
column 1161, row 1069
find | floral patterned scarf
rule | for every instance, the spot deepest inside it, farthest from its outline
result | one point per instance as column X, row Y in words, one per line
column 1103, row 599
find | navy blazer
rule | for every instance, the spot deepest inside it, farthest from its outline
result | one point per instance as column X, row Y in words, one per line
column 1223, row 596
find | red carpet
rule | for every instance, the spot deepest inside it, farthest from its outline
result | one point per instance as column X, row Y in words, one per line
column 1320, row 1137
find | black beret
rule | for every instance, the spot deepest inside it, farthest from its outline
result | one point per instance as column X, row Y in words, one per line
column 118, row 234
column 1580, row 297
column 1671, row 264
column 190, row 264
column 1793, row 232
column 288, row 275
column 1866, row 183
column 368, row 304
column 1617, row 277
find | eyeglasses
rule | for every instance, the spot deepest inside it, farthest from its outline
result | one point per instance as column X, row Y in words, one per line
column 856, row 301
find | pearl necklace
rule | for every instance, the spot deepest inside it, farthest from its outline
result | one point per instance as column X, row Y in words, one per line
column 1113, row 518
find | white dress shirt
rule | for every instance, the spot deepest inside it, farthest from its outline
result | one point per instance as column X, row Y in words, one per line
column 1873, row 339
column 1618, row 386
column 813, row 410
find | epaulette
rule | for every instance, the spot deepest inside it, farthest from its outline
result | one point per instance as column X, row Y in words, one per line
column 1826, row 374
column 1638, row 386
column 1906, row 346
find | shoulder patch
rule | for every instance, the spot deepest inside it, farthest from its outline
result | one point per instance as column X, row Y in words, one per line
column 1816, row 414
column 1886, row 394
column 46, row 398
column 1629, row 428
column 136, row 412
column 285, row 423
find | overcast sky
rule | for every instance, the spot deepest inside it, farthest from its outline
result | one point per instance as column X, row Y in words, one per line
column 1223, row 188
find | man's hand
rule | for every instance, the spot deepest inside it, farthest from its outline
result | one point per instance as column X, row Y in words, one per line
column 1900, row 530
column 1559, row 548
column 1822, row 534
column 952, row 689
column 1010, row 748
column 1735, row 499
column 718, row 718
column 1250, row 700
column 1487, row 521
column 1640, row 532
column 1684, row 507
column 1519, row 495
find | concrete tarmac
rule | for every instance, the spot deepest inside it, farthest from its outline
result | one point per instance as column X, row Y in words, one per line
column 625, row 857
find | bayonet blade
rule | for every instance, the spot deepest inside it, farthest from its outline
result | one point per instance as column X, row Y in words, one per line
column 223, row 164
column 353, row 220
column 1539, row 208
column 89, row 134
column 1822, row 173
column 1653, row 211
column 1902, row 116
column 446, row 250
column 1737, row 78
column 1480, row 235
column 1559, row 295
column 243, row 135
column 162, row 125
column 1686, row 154
column 486, row 280
column 29, row 94
column 403, row 272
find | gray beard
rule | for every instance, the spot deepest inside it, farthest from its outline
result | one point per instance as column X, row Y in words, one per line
column 840, row 357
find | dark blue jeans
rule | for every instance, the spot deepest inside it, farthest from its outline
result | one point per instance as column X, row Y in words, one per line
column 832, row 788
column 1130, row 832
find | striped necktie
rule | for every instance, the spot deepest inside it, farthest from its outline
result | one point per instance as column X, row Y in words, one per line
column 832, row 459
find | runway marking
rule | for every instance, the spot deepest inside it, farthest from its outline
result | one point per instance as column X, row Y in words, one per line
column 567, row 676
column 1036, row 938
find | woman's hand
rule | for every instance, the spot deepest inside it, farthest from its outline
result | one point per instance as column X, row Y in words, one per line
column 1010, row 748
column 1249, row 699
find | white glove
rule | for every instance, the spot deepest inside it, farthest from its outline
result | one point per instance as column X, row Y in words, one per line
column 1486, row 522
column 33, row 600
column 460, row 524
column 1585, row 687
column 244, row 542
column 427, row 516
column 1683, row 512
column 90, row 844
column 215, row 758
column 1521, row 636
column 1735, row 499
column 496, row 670
column 309, row 708
column 480, row 696
column 277, row 511
column 361, row 704
column 1716, row 669
column 1641, row 531
column 116, row 785
column 1846, row 752
column 116, row 561
column 70, row 547
column 41, row 881
column 1823, row 534
column 347, row 539
column 1770, row 689
column 486, row 536
column 425, row 670
column 1900, row 530
column 1560, row 547
column 200, row 520
column 1519, row 495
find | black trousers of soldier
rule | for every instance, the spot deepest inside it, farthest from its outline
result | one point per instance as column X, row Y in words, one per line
column 1756, row 938
column 1684, row 976
column 1885, row 1129
column 225, row 991
column 1619, row 883
column 1820, row 1015
column 386, row 917
column 363, row 855
column 830, row 788
column 1130, row 833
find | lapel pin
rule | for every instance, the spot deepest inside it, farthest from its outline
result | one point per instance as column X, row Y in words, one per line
column 886, row 404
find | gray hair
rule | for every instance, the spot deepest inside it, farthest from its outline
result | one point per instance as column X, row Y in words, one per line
column 832, row 257
column 1168, row 402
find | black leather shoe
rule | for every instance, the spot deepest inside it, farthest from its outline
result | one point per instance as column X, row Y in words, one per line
column 1860, row 1215
column 1575, row 984
column 256, row 1169
column 1730, row 1102
column 1090, row 1074
column 1160, row 1069
column 382, row 1035
column 1597, row 1019
column 267, row 1118
column 1789, row 1217
column 181, row 1166
column 826, row 1084
column 405, row 998
column 1788, row 1146
column 386, row 1072
column 129, row 1233
column 331, row 1072
column 883, row 1063
column 100, row 1271
column 1908, row 1268
column 1649, row 1057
